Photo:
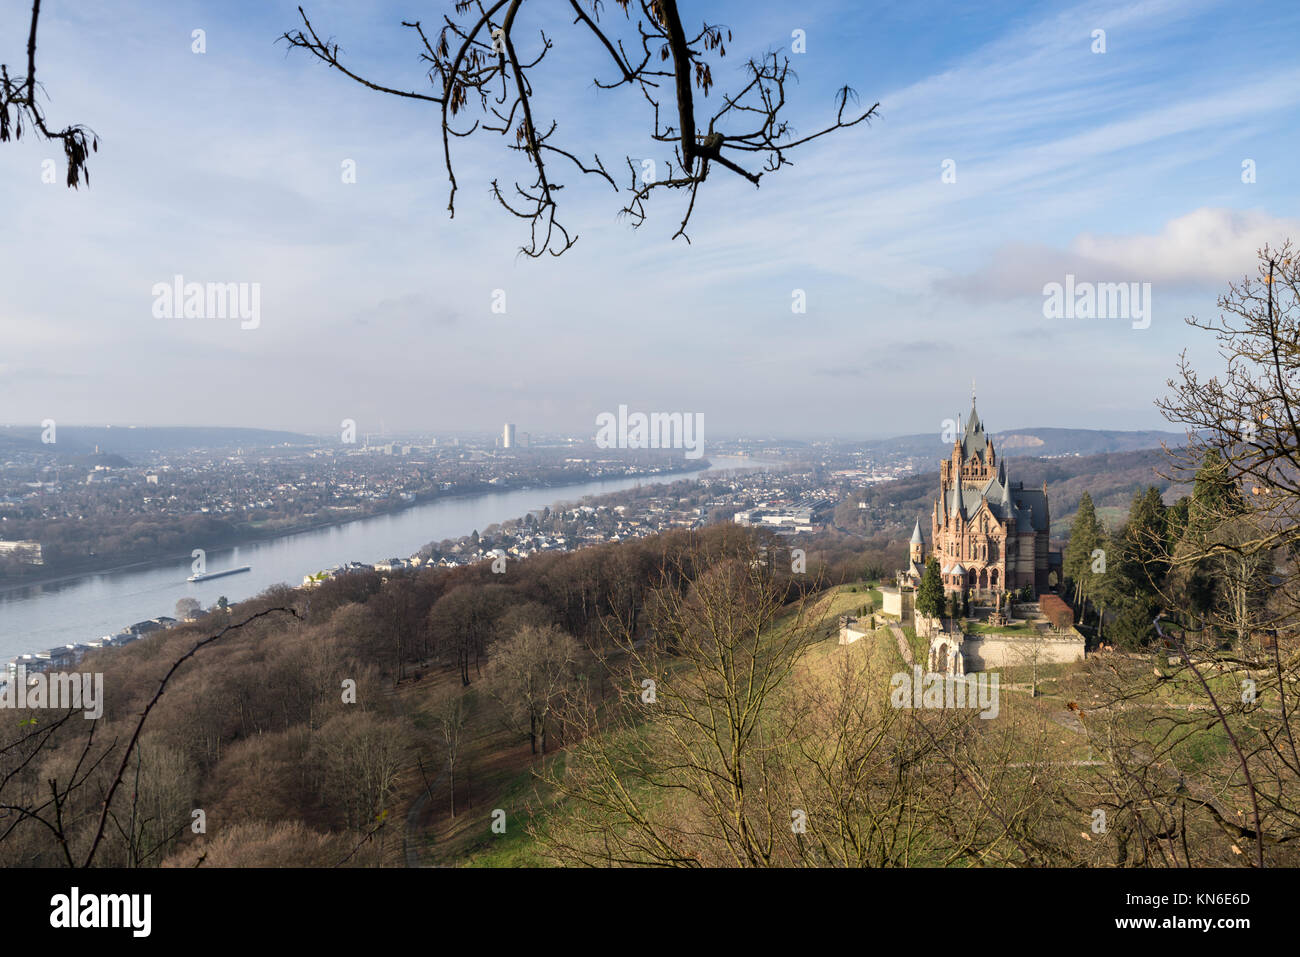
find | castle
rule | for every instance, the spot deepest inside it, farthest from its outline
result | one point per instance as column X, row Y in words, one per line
column 990, row 535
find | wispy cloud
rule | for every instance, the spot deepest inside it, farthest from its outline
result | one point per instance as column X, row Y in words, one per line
column 225, row 167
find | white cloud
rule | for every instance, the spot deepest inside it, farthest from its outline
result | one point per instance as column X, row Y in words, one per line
column 1206, row 245
column 1199, row 251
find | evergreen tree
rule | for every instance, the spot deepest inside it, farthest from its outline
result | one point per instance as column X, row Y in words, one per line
column 1137, row 563
column 1148, row 534
column 929, row 596
column 1215, row 497
column 1176, row 516
column 1215, row 501
column 1085, row 538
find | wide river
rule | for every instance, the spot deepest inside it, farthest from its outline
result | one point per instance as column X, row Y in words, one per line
column 36, row 617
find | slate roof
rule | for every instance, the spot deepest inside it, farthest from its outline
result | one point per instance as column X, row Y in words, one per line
column 1005, row 498
column 1028, row 504
column 974, row 440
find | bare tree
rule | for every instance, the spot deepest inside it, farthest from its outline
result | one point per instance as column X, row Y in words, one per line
column 363, row 756
column 473, row 61
column 1237, row 654
column 1249, row 417
column 677, row 771
column 76, row 804
column 19, row 105
column 529, row 672
column 450, row 713
column 187, row 608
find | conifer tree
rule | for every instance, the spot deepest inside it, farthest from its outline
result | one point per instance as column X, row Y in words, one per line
column 929, row 596
column 1085, row 538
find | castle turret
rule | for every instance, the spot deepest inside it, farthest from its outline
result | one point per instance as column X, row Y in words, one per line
column 917, row 544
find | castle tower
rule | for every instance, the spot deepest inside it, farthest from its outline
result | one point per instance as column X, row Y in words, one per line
column 989, row 534
column 917, row 545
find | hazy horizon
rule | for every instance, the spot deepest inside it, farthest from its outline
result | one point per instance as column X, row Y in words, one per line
column 576, row 432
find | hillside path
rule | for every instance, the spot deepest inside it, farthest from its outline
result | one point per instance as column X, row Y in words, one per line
column 904, row 648
column 411, row 834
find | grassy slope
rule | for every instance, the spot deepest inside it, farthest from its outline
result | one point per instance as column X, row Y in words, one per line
column 499, row 771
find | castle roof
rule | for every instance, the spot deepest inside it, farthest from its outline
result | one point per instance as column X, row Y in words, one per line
column 1011, row 499
column 916, row 534
column 974, row 440
column 1005, row 500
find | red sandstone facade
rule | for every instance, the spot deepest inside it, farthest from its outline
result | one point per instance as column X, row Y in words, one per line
column 989, row 534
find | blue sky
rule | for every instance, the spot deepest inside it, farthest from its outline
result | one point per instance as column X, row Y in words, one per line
column 225, row 166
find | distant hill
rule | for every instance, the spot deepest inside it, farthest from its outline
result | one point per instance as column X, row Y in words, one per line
column 1036, row 442
column 82, row 439
column 1112, row 479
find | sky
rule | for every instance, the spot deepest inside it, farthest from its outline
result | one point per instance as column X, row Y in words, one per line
column 1008, row 152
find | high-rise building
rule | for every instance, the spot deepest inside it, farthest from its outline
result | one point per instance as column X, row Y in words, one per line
column 508, row 436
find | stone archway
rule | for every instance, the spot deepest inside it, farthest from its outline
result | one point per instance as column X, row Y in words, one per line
column 945, row 656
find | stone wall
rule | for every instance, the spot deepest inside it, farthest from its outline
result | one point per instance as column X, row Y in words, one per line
column 1001, row 651
column 898, row 602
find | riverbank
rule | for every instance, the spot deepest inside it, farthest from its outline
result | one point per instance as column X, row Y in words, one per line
column 75, row 572
column 87, row 607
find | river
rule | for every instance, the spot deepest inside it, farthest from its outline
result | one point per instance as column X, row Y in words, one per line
column 36, row 617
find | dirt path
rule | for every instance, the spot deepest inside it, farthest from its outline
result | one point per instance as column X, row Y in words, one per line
column 411, row 833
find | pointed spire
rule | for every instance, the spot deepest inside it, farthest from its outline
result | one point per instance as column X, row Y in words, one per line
column 1008, row 506
column 916, row 533
column 973, row 426
column 956, row 495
